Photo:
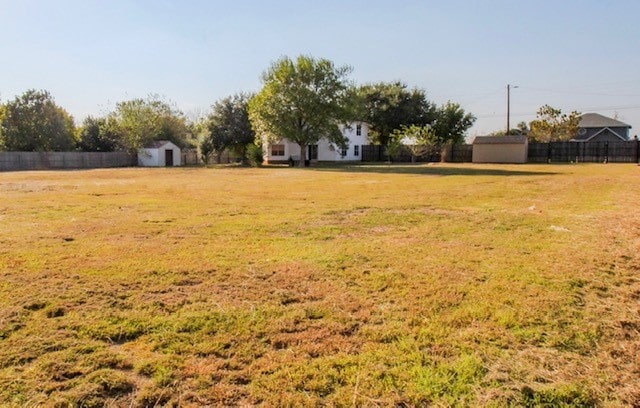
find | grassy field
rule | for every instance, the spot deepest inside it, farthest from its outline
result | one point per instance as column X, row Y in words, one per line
column 443, row 285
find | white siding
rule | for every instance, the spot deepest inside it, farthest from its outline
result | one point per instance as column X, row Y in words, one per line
column 148, row 157
column 155, row 156
column 326, row 151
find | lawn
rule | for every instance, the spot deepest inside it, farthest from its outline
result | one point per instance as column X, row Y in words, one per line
column 444, row 285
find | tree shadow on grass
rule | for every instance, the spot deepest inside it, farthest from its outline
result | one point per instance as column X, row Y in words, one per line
column 430, row 170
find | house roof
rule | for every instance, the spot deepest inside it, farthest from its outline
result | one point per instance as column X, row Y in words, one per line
column 512, row 139
column 596, row 120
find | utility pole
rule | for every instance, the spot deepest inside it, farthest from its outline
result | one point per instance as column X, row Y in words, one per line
column 509, row 104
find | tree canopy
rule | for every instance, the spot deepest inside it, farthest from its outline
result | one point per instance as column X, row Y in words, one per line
column 140, row 121
column 553, row 125
column 99, row 135
column 228, row 127
column 33, row 122
column 451, row 124
column 388, row 106
column 303, row 100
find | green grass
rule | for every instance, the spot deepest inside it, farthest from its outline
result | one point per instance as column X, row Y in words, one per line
column 444, row 285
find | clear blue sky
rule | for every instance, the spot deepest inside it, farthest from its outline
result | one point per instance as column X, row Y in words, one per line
column 574, row 55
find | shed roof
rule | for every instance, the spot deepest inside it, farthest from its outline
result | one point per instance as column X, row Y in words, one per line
column 156, row 144
column 596, row 120
column 512, row 139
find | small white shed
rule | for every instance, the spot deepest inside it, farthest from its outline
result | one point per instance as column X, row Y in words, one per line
column 161, row 153
column 500, row 149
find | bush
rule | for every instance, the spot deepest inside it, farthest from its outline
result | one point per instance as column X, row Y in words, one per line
column 254, row 155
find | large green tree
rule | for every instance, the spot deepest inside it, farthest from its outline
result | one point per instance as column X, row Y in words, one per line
column 303, row 100
column 553, row 125
column 99, row 135
column 33, row 122
column 389, row 106
column 451, row 123
column 228, row 126
column 141, row 121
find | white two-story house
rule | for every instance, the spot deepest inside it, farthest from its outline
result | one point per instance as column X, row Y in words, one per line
column 357, row 134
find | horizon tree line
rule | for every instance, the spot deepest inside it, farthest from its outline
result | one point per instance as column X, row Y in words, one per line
column 318, row 93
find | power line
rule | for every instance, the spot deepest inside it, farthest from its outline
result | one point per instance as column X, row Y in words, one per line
column 597, row 108
column 574, row 92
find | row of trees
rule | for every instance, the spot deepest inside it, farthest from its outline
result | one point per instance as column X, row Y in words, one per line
column 302, row 99
column 33, row 122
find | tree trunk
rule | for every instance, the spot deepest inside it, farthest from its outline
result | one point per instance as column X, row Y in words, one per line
column 243, row 155
column 445, row 152
column 303, row 155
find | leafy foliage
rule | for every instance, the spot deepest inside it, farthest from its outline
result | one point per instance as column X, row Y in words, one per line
column 228, row 127
column 140, row 121
column 303, row 100
column 553, row 125
column 98, row 135
column 254, row 155
column 418, row 139
column 388, row 106
column 33, row 122
column 451, row 124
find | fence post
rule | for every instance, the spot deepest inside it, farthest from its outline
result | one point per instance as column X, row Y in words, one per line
column 606, row 152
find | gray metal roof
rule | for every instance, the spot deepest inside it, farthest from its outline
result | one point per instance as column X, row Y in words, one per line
column 512, row 139
column 596, row 120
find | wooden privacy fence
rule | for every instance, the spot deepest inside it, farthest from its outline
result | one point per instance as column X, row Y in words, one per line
column 65, row 160
column 590, row 152
column 189, row 157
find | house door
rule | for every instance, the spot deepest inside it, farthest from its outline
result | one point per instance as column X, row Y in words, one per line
column 168, row 158
column 313, row 152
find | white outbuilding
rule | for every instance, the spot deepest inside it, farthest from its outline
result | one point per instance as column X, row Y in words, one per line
column 500, row 149
column 161, row 153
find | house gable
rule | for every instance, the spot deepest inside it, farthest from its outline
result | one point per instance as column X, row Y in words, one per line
column 596, row 127
column 605, row 135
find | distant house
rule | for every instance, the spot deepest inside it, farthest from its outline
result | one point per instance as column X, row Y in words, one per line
column 161, row 153
column 357, row 134
column 594, row 127
column 500, row 149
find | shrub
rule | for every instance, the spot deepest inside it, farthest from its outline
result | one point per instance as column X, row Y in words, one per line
column 254, row 155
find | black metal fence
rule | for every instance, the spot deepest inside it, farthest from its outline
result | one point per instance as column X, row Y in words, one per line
column 580, row 152
column 552, row 152
column 457, row 153
column 460, row 153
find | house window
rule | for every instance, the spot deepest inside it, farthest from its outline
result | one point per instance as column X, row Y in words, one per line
column 343, row 151
column 277, row 150
column 356, row 150
column 358, row 130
